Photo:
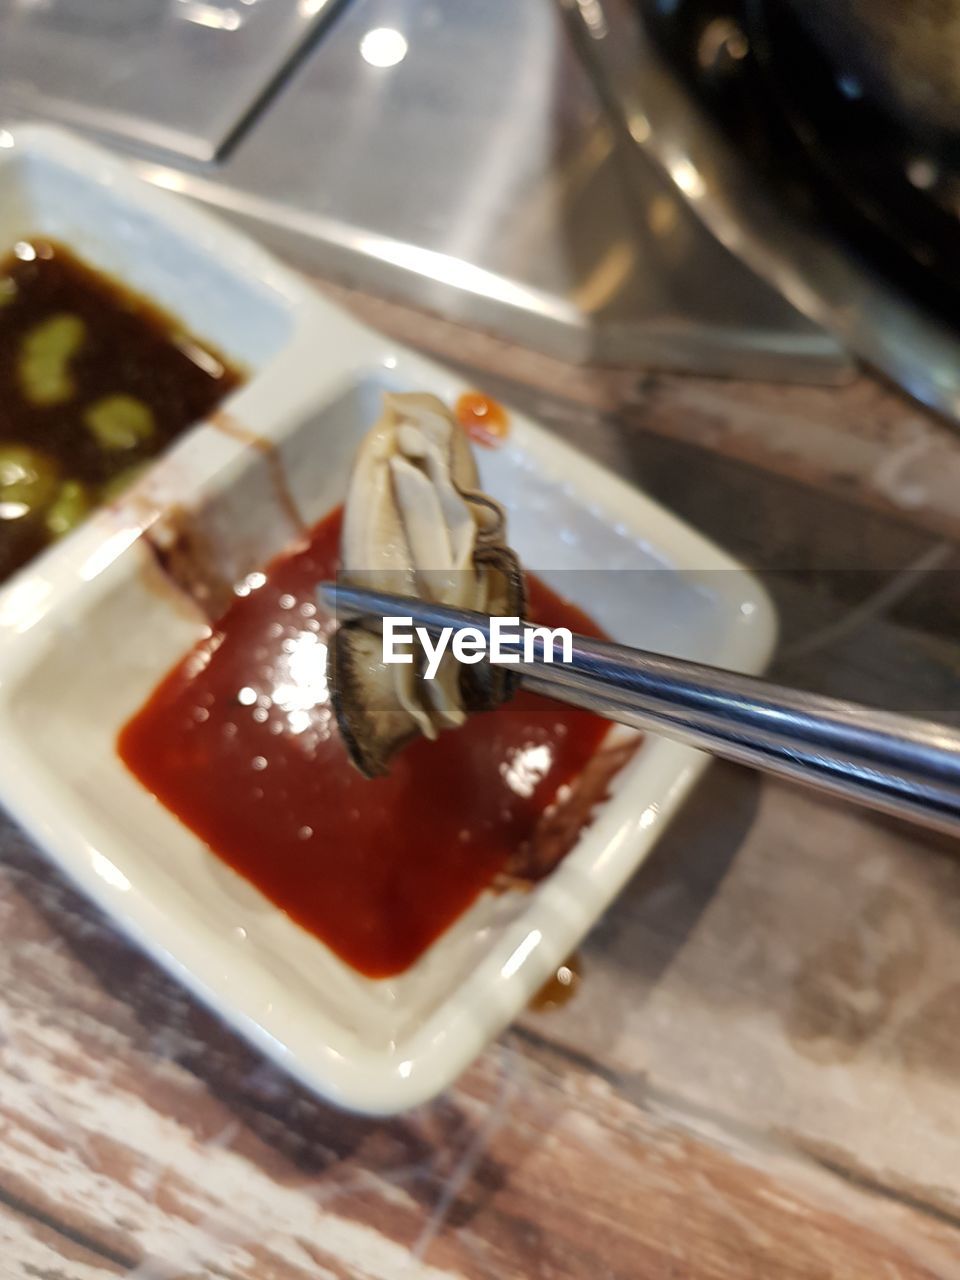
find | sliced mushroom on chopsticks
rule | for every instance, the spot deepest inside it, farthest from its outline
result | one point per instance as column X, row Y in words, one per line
column 416, row 523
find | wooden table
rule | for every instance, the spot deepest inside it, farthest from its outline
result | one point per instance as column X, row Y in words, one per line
column 759, row 1074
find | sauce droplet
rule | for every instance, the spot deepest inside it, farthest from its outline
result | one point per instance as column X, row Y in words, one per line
column 561, row 988
column 482, row 418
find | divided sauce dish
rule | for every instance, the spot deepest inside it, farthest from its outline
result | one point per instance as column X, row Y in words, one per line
column 89, row 629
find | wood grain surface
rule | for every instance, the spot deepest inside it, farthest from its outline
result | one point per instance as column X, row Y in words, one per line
column 758, row 1076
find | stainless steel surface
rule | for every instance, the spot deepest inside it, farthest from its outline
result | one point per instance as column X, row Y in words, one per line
column 869, row 316
column 898, row 764
column 173, row 75
column 477, row 176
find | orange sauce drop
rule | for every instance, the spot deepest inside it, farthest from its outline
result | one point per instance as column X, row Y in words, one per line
column 562, row 987
column 483, row 419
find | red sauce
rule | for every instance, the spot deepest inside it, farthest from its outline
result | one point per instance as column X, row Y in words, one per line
column 483, row 419
column 239, row 741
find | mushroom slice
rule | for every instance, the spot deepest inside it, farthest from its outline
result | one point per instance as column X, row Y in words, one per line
column 416, row 523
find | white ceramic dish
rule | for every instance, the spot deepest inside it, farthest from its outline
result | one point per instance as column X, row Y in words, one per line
column 89, row 628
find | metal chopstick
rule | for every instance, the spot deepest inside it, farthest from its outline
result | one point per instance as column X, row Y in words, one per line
column 899, row 764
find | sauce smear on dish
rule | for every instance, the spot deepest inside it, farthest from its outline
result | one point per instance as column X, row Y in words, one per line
column 240, row 742
column 94, row 381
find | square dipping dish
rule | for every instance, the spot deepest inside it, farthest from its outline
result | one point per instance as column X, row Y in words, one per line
column 90, row 628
